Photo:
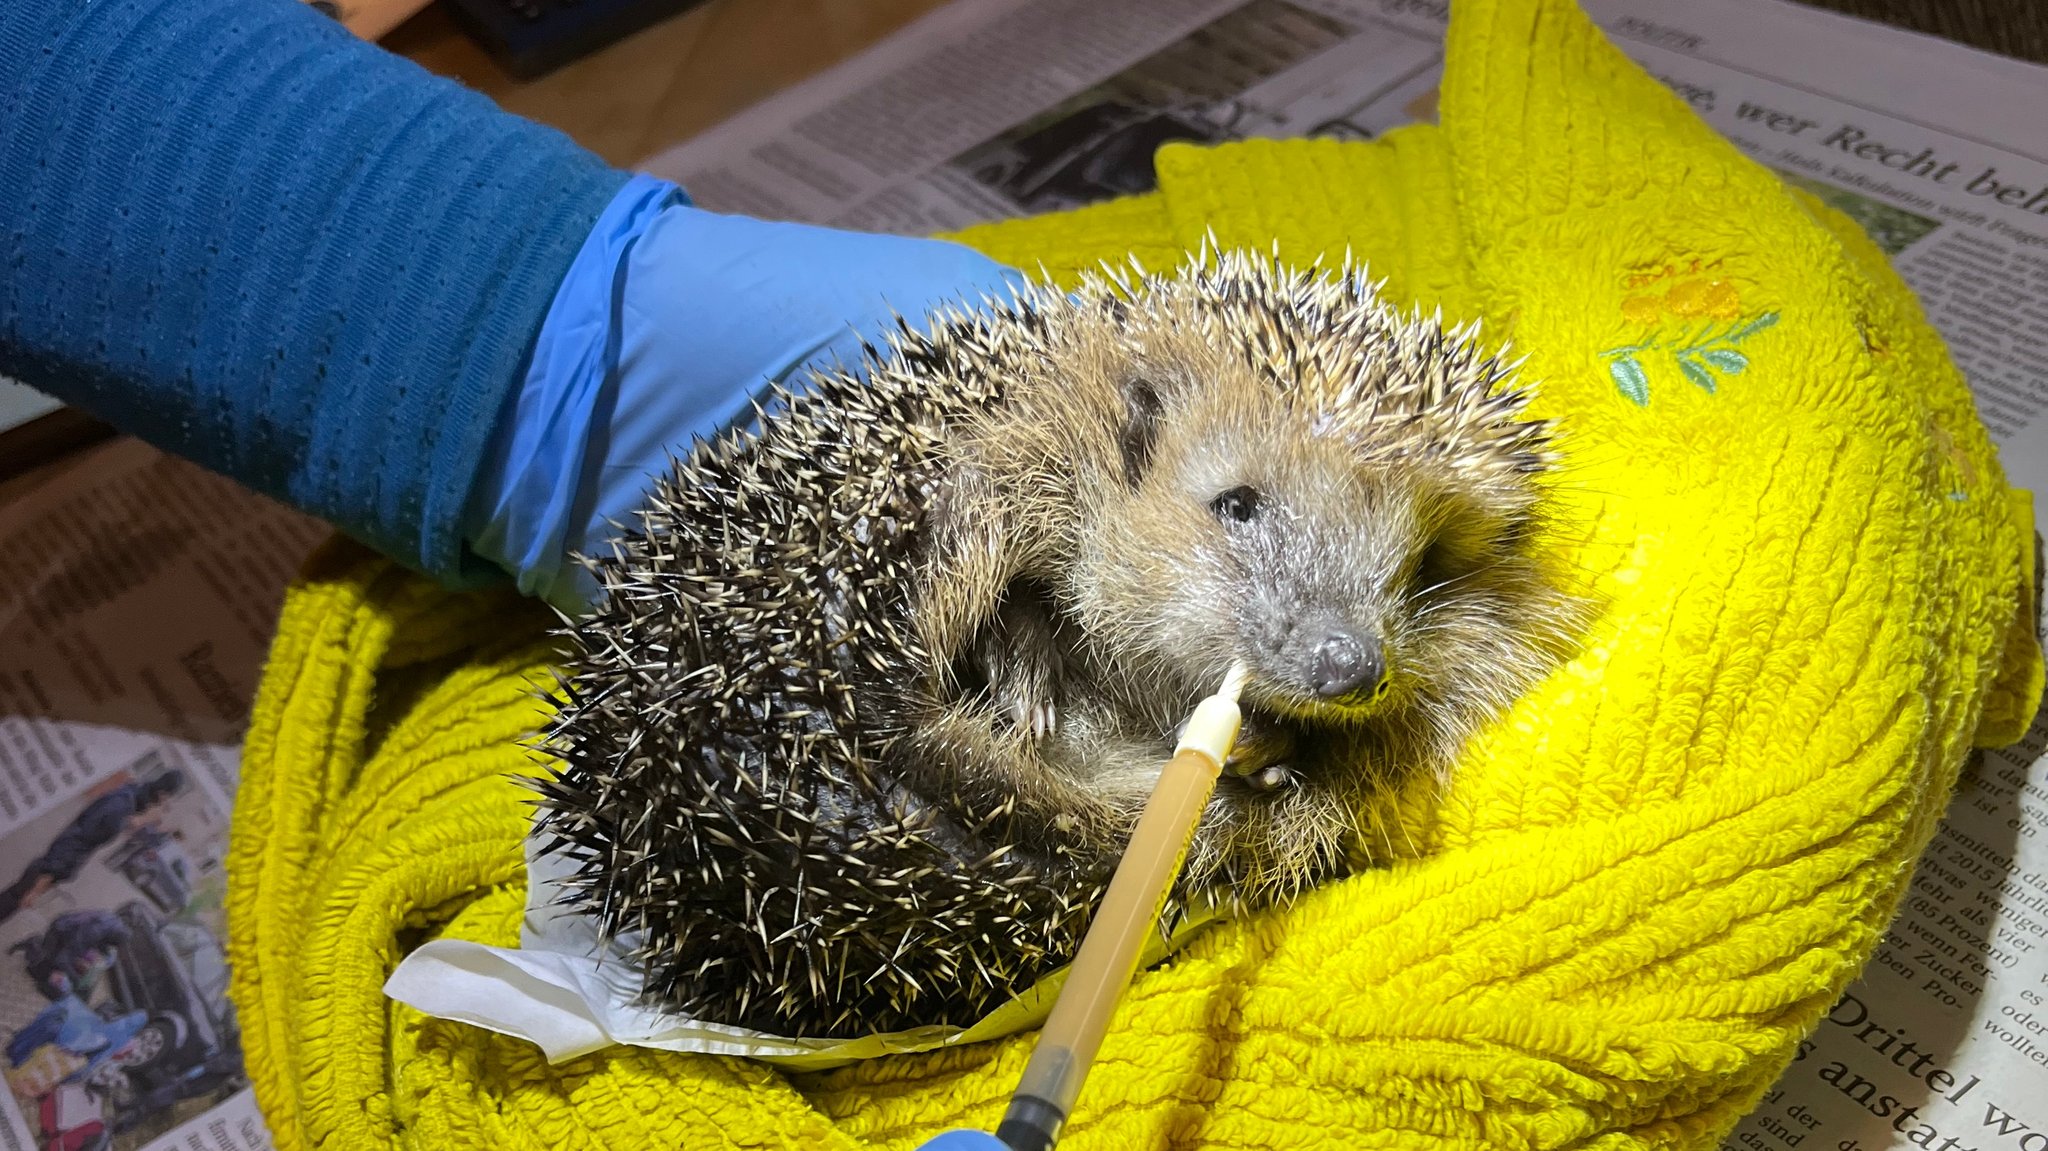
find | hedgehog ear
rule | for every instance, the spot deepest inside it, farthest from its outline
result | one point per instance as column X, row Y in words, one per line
column 1141, row 426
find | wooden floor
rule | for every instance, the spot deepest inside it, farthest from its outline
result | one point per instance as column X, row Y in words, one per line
column 673, row 80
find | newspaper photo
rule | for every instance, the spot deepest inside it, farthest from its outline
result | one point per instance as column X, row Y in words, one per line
column 138, row 593
column 141, row 596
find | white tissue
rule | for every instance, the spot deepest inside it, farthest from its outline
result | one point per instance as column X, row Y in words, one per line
column 570, row 993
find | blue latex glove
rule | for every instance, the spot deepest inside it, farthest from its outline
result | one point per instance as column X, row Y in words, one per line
column 668, row 325
column 964, row 1141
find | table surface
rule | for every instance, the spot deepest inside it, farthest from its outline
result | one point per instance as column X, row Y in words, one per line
column 671, row 81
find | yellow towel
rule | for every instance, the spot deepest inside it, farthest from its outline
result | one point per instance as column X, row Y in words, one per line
column 1649, row 881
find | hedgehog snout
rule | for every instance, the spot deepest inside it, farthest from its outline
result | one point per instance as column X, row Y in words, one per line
column 1348, row 667
column 1320, row 660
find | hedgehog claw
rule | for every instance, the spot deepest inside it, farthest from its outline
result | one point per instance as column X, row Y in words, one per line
column 1017, row 655
column 1273, row 777
column 1032, row 717
column 1039, row 719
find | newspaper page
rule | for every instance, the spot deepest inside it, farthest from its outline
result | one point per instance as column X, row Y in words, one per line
column 997, row 108
column 138, row 595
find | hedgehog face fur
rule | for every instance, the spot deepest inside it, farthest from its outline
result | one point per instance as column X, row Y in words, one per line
column 880, row 687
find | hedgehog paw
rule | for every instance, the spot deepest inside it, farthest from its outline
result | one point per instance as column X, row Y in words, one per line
column 1263, row 754
column 1028, row 702
column 1018, row 657
column 1038, row 720
column 1273, row 777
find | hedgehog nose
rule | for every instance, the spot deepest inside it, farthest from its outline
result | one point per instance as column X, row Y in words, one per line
column 1345, row 663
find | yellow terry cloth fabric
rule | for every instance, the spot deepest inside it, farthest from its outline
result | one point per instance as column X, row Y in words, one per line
column 1649, row 881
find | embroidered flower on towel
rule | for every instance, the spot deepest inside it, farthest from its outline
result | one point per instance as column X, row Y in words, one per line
column 1703, row 354
column 1699, row 355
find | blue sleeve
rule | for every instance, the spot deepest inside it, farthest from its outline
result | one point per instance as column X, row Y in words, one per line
column 233, row 230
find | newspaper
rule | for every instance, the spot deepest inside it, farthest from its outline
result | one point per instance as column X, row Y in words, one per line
column 138, row 595
column 997, row 108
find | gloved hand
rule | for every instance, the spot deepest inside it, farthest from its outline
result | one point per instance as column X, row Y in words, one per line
column 669, row 324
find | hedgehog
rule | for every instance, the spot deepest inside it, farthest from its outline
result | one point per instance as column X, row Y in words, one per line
column 880, row 681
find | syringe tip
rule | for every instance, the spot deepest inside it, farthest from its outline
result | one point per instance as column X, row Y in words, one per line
column 1233, row 681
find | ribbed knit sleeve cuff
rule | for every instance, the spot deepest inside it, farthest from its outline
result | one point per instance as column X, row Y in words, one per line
column 235, row 231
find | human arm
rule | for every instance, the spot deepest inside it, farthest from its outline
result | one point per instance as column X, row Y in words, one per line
column 238, row 232
column 245, row 236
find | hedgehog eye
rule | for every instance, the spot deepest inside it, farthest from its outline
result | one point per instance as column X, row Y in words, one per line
column 1239, row 503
